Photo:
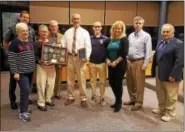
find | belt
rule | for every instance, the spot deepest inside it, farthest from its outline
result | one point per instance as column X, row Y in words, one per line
column 72, row 54
column 132, row 60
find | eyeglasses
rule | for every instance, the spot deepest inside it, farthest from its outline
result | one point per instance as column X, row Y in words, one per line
column 97, row 26
column 138, row 23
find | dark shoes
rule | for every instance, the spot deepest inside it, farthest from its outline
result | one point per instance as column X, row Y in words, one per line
column 69, row 101
column 30, row 102
column 42, row 108
column 13, row 106
column 57, row 96
column 50, row 104
column 84, row 104
column 113, row 106
column 129, row 103
column 117, row 107
column 34, row 88
column 136, row 107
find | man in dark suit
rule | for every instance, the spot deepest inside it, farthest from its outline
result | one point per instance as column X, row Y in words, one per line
column 168, row 61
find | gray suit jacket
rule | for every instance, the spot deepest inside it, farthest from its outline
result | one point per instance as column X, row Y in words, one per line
column 171, row 61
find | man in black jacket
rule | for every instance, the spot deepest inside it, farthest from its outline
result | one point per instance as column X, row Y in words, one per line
column 168, row 61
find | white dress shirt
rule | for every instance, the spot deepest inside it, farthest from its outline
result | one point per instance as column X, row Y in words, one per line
column 82, row 40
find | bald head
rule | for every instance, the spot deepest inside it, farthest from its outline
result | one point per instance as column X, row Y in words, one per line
column 76, row 20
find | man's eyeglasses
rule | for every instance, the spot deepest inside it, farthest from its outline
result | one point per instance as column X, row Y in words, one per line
column 97, row 26
column 138, row 23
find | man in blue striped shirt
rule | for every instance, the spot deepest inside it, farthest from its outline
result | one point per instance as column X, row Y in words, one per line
column 140, row 50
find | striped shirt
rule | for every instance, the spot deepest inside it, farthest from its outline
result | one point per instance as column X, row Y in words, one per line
column 21, row 57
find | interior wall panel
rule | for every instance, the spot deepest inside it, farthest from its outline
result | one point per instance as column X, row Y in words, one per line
column 176, row 13
column 124, row 11
column 150, row 12
column 43, row 12
column 89, row 11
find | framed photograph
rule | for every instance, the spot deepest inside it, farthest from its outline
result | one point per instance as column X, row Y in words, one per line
column 54, row 55
column 81, row 54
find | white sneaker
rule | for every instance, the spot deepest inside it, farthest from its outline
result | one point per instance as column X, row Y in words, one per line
column 167, row 118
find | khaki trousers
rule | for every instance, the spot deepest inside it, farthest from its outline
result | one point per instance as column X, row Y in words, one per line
column 167, row 94
column 45, row 83
column 94, row 70
column 75, row 67
column 57, row 87
column 135, row 80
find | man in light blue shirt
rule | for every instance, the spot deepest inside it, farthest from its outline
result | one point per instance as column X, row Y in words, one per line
column 140, row 50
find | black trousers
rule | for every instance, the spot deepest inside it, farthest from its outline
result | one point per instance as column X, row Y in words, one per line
column 24, row 82
column 116, row 81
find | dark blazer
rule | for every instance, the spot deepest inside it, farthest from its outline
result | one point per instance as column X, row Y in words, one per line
column 170, row 62
column 122, row 52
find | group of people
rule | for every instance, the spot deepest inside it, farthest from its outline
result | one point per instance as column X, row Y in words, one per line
column 120, row 54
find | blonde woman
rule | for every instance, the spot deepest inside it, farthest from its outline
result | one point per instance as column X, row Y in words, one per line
column 45, row 72
column 116, row 52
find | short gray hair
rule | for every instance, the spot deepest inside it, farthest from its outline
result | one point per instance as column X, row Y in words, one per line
column 21, row 25
column 53, row 22
column 43, row 26
column 171, row 27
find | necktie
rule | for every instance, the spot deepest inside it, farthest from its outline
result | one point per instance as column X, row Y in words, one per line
column 163, row 45
column 74, row 43
column 161, row 48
